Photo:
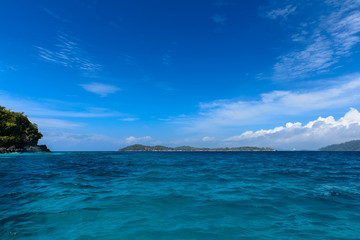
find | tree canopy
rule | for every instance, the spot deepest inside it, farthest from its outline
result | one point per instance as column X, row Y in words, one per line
column 16, row 129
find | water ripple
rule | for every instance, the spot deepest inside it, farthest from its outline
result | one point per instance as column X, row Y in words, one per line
column 224, row 195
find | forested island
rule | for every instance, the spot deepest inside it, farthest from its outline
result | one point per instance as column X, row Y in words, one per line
column 346, row 146
column 18, row 134
column 159, row 148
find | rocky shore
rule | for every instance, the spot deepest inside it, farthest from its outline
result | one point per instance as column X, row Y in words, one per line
column 26, row 149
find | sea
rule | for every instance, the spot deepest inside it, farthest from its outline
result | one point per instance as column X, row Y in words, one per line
column 180, row 195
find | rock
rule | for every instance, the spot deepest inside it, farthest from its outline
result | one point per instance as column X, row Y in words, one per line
column 38, row 148
column 27, row 149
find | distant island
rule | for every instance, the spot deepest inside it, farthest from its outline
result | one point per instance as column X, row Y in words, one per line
column 347, row 146
column 159, row 148
column 18, row 134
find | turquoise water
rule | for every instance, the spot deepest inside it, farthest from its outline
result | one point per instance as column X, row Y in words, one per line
column 217, row 195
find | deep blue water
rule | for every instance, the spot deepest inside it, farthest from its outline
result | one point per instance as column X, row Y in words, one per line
column 223, row 195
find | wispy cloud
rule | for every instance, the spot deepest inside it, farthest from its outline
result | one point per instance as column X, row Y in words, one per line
column 67, row 141
column 313, row 135
column 332, row 38
column 167, row 58
column 222, row 114
column 48, row 123
column 133, row 139
column 99, row 88
column 55, row 16
column 68, row 53
column 130, row 119
column 74, row 137
column 5, row 68
column 208, row 139
column 44, row 108
column 128, row 59
column 317, row 57
column 219, row 18
column 168, row 55
column 281, row 12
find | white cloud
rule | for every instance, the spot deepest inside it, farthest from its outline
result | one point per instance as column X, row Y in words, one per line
column 313, row 135
column 208, row 139
column 333, row 37
column 129, row 119
column 69, row 54
column 281, row 12
column 221, row 114
column 133, row 139
column 99, row 88
column 317, row 57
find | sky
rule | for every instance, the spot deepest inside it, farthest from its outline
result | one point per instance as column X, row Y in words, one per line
column 101, row 75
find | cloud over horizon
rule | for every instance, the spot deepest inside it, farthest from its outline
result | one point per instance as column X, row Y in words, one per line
column 311, row 136
column 221, row 114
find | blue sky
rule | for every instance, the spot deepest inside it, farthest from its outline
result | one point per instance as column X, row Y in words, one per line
column 100, row 75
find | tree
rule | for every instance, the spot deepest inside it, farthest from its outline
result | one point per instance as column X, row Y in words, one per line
column 16, row 130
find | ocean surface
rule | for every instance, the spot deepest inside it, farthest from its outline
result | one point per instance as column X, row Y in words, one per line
column 180, row 195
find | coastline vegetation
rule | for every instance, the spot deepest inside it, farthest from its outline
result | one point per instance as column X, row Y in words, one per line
column 17, row 133
column 346, row 146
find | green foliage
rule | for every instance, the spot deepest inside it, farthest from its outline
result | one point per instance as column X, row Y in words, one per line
column 347, row 146
column 160, row 148
column 139, row 147
column 16, row 129
column 135, row 147
column 185, row 148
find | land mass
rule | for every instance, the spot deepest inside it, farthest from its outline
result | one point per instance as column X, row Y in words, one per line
column 346, row 146
column 18, row 134
column 159, row 148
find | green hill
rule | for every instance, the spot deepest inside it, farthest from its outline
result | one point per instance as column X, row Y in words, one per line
column 18, row 134
column 143, row 148
column 347, row 146
column 139, row 147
